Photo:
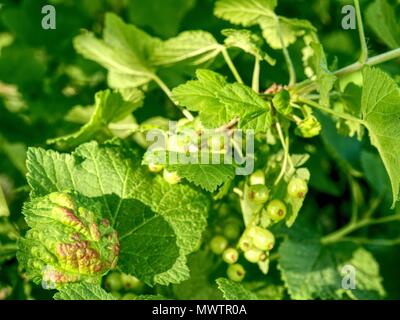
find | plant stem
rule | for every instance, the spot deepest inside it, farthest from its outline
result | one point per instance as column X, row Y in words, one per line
column 231, row 66
column 384, row 57
column 256, row 76
column 364, row 49
column 347, row 229
column 286, row 159
column 376, row 242
column 4, row 211
column 354, row 188
column 168, row 92
column 289, row 63
column 336, row 113
column 238, row 192
column 353, row 226
column 310, row 85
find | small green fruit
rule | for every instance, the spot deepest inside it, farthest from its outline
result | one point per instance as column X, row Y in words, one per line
column 114, row 282
column 276, row 210
column 230, row 256
column 253, row 255
column 232, row 230
column 171, row 177
column 297, row 188
column 263, row 239
column 155, row 168
column 236, row 272
column 257, row 178
column 224, row 210
column 218, row 244
column 131, row 283
column 245, row 243
column 259, row 193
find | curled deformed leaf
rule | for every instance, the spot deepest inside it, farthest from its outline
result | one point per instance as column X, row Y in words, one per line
column 68, row 242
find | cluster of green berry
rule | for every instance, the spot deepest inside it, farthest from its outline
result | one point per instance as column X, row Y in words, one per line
column 170, row 176
column 220, row 246
column 274, row 210
column 257, row 241
column 124, row 286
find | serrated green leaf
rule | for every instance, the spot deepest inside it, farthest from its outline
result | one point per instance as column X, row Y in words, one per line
column 244, row 12
column 248, row 42
column 110, row 106
column 190, row 47
column 381, row 115
column 289, row 29
column 83, row 291
column 235, row 291
column 114, row 174
column 381, row 18
column 124, row 50
column 207, row 176
column 218, row 102
column 278, row 31
column 311, row 270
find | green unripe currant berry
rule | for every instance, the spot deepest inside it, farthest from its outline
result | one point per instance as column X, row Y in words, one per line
column 232, row 230
column 297, row 188
column 276, row 210
column 245, row 243
column 257, row 178
column 236, row 272
column 171, row 177
column 131, row 283
column 230, row 256
column 114, row 282
column 224, row 210
column 253, row 255
column 263, row 239
column 218, row 244
column 129, row 296
column 259, row 193
column 155, row 168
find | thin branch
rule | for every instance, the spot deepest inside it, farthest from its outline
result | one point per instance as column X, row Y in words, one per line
column 292, row 72
column 338, row 235
column 375, row 242
column 336, row 113
column 168, row 92
column 256, row 76
column 310, row 85
column 4, row 211
column 231, row 66
column 364, row 49
column 286, row 159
